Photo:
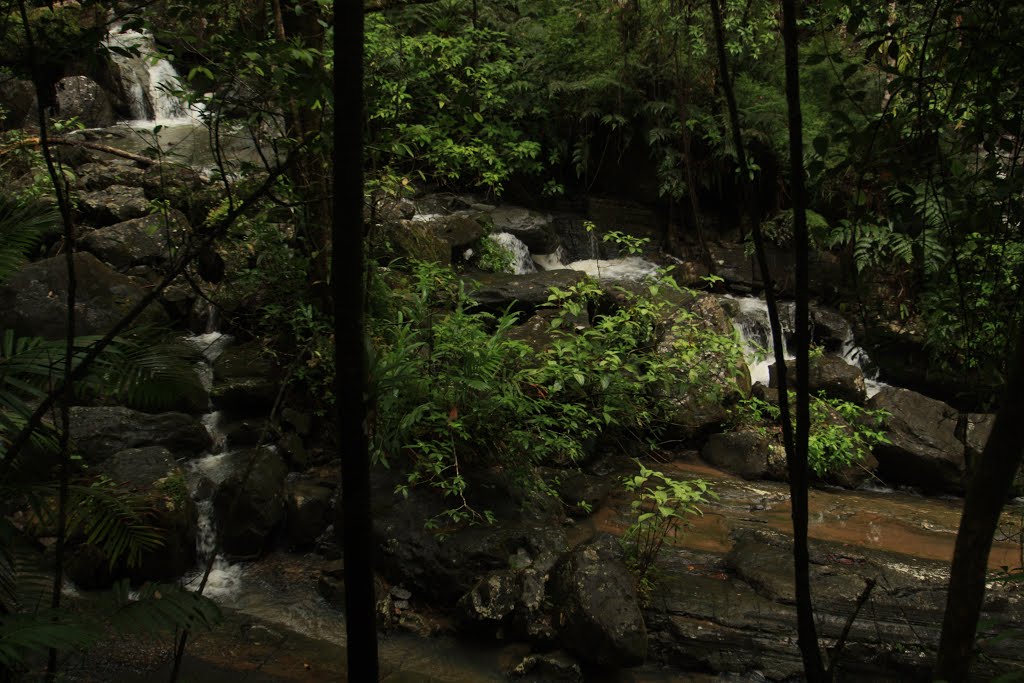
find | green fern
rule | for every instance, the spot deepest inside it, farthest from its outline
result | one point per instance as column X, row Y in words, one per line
column 21, row 226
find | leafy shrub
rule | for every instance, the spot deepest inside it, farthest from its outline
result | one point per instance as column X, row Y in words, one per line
column 842, row 433
column 454, row 392
column 661, row 507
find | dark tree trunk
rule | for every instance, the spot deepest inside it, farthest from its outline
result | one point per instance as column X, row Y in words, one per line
column 799, row 479
column 349, row 351
column 986, row 496
column 796, row 447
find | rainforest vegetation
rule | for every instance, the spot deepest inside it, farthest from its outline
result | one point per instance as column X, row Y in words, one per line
column 387, row 233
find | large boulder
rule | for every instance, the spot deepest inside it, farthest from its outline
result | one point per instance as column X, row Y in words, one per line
column 600, row 615
column 508, row 603
column 17, row 103
column 308, row 507
column 181, row 186
column 444, row 568
column 114, row 204
column 32, row 303
column 95, row 175
column 149, row 240
column 498, row 291
column 250, row 503
column 99, row 433
column 533, row 228
column 410, row 239
column 745, row 453
column 829, row 374
column 83, row 98
column 245, row 380
column 924, row 450
column 152, row 473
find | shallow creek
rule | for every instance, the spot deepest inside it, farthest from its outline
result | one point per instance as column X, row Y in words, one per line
column 280, row 590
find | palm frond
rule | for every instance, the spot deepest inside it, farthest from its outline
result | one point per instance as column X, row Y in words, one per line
column 159, row 608
column 25, row 634
column 115, row 519
column 21, row 226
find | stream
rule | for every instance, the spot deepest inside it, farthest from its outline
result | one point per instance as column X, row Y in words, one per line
column 916, row 533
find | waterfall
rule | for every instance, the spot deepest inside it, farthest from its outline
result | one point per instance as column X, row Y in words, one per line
column 205, row 473
column 521, row 263
column 148, row 82
column 752, row 324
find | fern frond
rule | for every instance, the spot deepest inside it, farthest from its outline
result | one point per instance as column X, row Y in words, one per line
column 21, row 226
column 25, row 634
column 159, row 608
column 114, row 519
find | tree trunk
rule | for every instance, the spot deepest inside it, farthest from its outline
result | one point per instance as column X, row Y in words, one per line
column 986, row 496
column 799, row 478
column 349, row 350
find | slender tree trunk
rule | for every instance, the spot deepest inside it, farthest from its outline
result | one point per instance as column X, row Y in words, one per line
column 349, row 349
column 799, row 478
column 64, row 454
column 796, row 448
column 986, row 496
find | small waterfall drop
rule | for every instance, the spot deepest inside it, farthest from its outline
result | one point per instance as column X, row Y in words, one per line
column 205, row 474
column 148, row 82
column 522, row 263
column 752, row 324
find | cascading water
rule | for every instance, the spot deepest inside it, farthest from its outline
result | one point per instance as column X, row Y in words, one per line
column 205, row 474
column 149, row 83
column 521, row 261
column 752, row 324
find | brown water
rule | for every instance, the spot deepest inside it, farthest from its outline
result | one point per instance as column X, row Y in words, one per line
column 280, row 590
column 895, row 521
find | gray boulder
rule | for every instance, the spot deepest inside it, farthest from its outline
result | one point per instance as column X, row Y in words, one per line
column 925, row 451
column 101, row 175
column 245, row 380
column 830, row 374
column 533, row 228
column 17, row 103
column 600, row 617
column 148, row 241
column 99, row 433
column 308, row 508
column 153, row 473
column 250, row 503
column 497, row 291
column 114, row 204
column 747, row 454
column 32, row 303
column 83, row 98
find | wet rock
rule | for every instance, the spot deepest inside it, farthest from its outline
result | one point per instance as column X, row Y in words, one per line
column 536, row 332
column 180, row 186
column 308, row 508
column 830, row 374
column 692, row 419
column 508, row 604
column 331, row 584
column 924, row 450
column 153, row 474
column 114, row 204
column 250, row 504
column 301, row 422
column 294, row 450
column 94, row 176
column 533, row 228
column 411, row 240
column 599, row 611
column 742, row 273
column 581, row 492
column 745, row 453
column 443, row 569
column 98, row 433
column 973, row 430
column 497, row 291
column 554, row 667
column 459, row 230
column 245, row 380
column 33, row 301
column 82, row 98
column 150, row 240
column 17, row 103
